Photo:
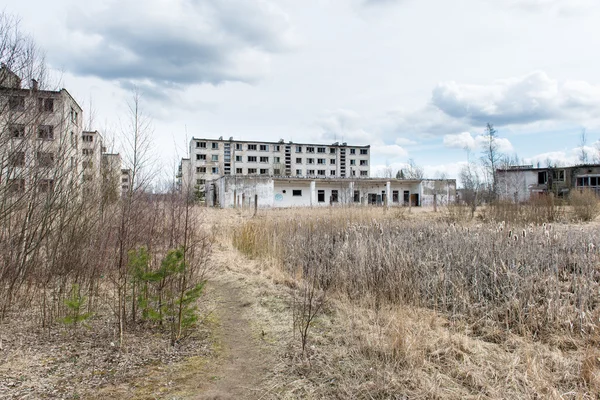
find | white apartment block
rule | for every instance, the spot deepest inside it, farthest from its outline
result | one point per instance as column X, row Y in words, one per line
column 40, row 132
column 43, row 146
column 211, row 159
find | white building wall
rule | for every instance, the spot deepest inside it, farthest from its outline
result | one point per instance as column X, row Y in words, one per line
column 284, row 194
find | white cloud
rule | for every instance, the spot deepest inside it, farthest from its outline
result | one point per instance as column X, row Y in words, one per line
column 565, row 157
column 405, row 141
column 465, row 140
column 562, row 7
column 388, row 151
column 531, row 98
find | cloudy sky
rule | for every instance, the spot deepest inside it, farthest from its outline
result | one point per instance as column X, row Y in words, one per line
column 414, row 78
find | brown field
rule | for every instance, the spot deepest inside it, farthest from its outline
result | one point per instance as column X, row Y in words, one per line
column 391, row 304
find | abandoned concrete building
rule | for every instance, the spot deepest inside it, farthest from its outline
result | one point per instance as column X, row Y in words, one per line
column 212, row 158
column 231, row 173
column 239, row 191
column 520, row 183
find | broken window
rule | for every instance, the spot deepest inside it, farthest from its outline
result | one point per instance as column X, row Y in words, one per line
column 593, row 181
column 45, row 159
column 264, row 147
column 215, row 157
column 357, row 196
column 215, row 146
column 16, row 103
column 298, row 172
column 364, row 151
column 239, row 171
column 352, row 151
column 321, row 172
column 46, row 132
column 542, row 177
column 17, row 159
column 46, row 105
column 332, row 161
column 558, row 175
column 320, row 149
column 46, row 185
column 320, row 161
column 201, row 170
column 215, row 170
column 264, row 159
column 264, row 171
column 364, row 173
column 395, row 196
column 251, row 170
column 276, row 172
column 201, row 157
column 296, row 192
column 321, row 196
column 364, row 162
column 201, row 145
column 251, row 147
column 16, row 185
column 310, row 149
column 17, row 130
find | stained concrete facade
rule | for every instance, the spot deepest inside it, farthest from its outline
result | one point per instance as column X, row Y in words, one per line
column 211, row 159
column 520, row 183
column 236, row 191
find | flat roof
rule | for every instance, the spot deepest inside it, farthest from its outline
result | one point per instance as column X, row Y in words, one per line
column 280, row 143
column 327, row 179
column 518, row 169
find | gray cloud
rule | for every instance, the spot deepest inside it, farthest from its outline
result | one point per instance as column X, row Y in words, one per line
column 173, row 44
column 532, row 98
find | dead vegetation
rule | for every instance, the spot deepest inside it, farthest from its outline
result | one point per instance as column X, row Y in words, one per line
column 421, row 308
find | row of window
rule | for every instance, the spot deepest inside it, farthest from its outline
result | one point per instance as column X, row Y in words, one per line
column 276, row 160
column 277, row 147
column 43, row 159
column 18, row 185
column 265, row 171
column 17, row 103
column 44, row 131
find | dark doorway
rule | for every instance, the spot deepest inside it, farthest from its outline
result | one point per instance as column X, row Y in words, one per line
column 406, row 197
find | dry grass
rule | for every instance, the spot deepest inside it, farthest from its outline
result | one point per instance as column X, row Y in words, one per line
column 426, row 309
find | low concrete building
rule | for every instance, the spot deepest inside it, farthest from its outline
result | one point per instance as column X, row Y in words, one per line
column 520, row 183
column 237, row 191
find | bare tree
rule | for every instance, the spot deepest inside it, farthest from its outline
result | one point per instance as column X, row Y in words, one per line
column 583, row 155
column 414, row 171
column 490, row 159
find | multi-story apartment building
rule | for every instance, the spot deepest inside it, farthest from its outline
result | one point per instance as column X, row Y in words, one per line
column 39, row 137
column 212, row 158
column 43, row 146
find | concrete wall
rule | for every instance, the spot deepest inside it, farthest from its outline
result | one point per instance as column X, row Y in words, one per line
column 232, row 190
column 284, row 194
column 443, row 190
column 279, row 192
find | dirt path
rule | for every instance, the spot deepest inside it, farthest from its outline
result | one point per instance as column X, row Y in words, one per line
column 245, row 357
